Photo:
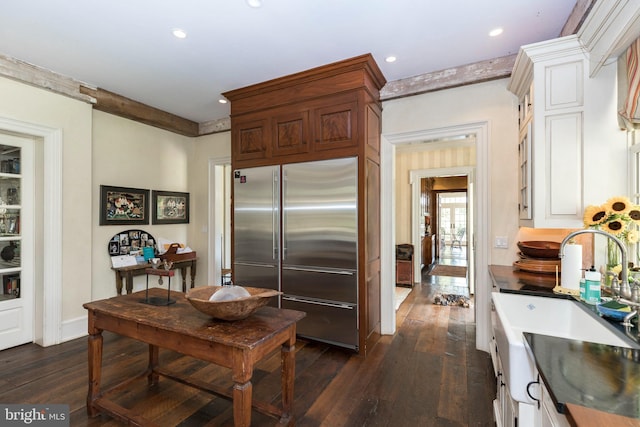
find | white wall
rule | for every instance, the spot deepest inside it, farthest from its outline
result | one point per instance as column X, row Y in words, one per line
column 131, row 154
column 490, row 102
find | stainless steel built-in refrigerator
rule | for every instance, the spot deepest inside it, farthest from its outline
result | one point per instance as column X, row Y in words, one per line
column 309, row 252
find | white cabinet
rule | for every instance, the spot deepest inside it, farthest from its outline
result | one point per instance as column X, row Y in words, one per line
column 545, row 413
column 571, row 151
column 505, row 409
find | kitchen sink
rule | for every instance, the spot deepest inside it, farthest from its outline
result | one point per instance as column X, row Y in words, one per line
column 518, row 313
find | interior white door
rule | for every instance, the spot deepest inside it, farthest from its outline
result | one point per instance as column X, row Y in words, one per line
column 16, row 240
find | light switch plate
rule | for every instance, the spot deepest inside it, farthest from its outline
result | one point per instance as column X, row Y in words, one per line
column 501, row 242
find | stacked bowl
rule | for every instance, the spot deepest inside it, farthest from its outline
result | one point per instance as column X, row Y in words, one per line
column 538, row 257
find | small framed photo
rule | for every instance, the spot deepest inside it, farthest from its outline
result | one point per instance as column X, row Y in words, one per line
column 123, row 206
column 170, row 207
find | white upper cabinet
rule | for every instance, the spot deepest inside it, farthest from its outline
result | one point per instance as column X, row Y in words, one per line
column 568, row 134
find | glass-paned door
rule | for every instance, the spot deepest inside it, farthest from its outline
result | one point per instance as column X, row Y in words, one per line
column 10, row 210
column 453, row 220
column 17, row 192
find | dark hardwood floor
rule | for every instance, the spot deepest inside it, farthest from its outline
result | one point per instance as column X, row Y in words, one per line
column 427, row 374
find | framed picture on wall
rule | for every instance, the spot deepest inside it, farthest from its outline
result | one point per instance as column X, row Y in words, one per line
column 123, row 206
column 170, row 207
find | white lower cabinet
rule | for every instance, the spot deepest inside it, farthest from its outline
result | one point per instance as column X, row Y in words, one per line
column 511, row 413
column 505, row 409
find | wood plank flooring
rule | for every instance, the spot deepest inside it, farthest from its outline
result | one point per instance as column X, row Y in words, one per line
column 427, row 374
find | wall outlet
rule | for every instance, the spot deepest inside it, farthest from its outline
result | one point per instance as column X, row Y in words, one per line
column 501, row 242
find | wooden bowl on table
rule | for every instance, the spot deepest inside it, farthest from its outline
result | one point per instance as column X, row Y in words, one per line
column 236, row 309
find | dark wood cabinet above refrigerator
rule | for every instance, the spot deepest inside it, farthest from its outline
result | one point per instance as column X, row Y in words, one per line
column 329, row 112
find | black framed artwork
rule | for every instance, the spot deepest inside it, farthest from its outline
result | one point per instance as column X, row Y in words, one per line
column 170, row 207
column 123, row 206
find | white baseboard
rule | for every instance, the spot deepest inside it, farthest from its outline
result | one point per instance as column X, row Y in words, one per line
column 74, row 328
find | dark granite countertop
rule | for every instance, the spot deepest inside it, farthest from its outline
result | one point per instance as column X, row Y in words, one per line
column 508, row 279
column 597, row 376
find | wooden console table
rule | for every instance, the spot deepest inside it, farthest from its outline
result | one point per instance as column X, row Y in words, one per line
column 236, row 345
column 137, row 270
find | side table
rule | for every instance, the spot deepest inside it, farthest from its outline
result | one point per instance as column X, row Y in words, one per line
column 127, row 273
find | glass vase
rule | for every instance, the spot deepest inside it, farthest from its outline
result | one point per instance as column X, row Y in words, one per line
column 613, row 254
column 613, row 259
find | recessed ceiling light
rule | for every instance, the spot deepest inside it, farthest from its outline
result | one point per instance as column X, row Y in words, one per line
column 178, row 33
column 390, row 59
column 222, row 101
column 495, row 32
column 254, row 3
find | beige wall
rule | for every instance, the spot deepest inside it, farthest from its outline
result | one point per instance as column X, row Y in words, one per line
column 43, row 108
column 100, row 148
column 418, row 160
column 206, row 151
column 131, row 154
column 488, row 102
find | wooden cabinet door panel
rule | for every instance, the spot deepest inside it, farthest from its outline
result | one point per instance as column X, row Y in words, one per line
column 291, row 133
column 336, row 126
column 252, row 139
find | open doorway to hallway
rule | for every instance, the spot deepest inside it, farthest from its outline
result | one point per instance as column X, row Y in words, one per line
column 451, row 218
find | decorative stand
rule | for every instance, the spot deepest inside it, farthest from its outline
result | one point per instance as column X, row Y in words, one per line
column 225, row 277
column 157, row 300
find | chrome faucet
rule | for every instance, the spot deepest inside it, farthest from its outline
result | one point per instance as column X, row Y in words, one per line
column 624, row 290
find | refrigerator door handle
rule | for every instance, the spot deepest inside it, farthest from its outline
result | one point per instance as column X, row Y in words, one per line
column 316, row 270
column 275, row 203
column 284, row 217
column 253, row 264
column 316, row 302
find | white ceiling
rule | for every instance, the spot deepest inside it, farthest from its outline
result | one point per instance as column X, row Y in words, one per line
column 126, row 46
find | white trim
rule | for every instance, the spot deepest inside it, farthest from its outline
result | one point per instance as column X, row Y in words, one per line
column 387, row 237
column 52, row 215
column 415, row 176
column 74, row 328
column 483, row 197
column 608, row 29
column 214, row 258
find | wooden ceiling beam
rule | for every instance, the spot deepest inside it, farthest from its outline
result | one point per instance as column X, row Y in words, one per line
column 39, row 77
column 478, row 72
column 119, row 105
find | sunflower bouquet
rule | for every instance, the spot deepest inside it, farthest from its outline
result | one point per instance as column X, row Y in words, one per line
column 618, row 217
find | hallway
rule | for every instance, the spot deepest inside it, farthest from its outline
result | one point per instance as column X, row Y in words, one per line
column 448, row 284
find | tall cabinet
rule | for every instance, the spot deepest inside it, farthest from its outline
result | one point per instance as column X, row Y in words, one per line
column 571, row 151
column 329, row 112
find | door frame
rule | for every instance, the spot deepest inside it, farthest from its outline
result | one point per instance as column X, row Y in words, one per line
column 48, row 328
column 219, row 203
column 482, row 196
column 415, row 177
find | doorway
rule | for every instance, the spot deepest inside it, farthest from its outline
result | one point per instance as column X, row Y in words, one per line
column 220, row 220
column 478, row 193
column 450, row 205
column 452, row 228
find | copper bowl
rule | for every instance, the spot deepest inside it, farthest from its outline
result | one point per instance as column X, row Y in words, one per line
column 237, row 309
column 540, row 249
